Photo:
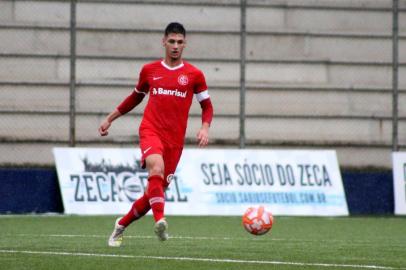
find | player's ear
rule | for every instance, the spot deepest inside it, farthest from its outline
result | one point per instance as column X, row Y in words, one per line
column 163, row 41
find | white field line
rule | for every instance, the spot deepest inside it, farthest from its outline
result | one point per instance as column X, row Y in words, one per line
column 104, row 255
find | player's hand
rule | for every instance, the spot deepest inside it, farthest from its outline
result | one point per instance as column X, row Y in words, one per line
column 104, row 126
column 203, row 135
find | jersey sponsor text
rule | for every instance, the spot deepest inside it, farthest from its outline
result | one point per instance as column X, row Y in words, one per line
column 168, row 92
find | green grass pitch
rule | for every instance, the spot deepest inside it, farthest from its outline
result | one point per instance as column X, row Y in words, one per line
column 80, row 242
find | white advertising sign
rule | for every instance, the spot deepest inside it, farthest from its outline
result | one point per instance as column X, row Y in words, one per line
column 207, row 182
column 399, row 182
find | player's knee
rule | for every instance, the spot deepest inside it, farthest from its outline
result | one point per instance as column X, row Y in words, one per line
column 156, row 170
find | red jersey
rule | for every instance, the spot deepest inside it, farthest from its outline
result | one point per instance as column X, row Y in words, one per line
column 171, row 92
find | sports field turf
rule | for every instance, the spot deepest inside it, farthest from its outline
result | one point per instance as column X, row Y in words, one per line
column 80, row 242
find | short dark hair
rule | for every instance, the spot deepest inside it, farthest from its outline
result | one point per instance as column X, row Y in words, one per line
column 175, row 28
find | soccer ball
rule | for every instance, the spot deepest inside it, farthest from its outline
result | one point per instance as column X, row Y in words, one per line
column 257, row 220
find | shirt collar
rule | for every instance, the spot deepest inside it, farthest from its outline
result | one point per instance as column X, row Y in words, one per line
column 172, row 68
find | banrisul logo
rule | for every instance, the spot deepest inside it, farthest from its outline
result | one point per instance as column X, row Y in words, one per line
column 103, row 181
column 168, row 92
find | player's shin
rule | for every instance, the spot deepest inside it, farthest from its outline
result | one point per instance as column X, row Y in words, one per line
column 139, row 208
column 156, row 196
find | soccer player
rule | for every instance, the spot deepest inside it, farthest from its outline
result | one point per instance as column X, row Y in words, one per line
column 171, row 84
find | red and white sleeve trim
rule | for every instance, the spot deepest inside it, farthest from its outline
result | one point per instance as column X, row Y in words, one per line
column 202, row 95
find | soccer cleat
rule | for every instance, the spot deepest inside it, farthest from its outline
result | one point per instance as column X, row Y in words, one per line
column 160, row 229
column 116, row 238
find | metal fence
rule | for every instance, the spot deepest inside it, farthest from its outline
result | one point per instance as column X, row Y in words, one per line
column 282, row 74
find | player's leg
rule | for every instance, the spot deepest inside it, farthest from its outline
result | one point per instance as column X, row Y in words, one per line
column 171, row 158
column 155, row 188
column 152, row 152
column 139, row 208
column 155, row 191
column 149, row 144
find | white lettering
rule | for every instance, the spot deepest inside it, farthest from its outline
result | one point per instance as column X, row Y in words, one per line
column 168, row 92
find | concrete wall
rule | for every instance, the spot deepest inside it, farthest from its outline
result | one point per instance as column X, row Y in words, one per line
column 55, row 68
column 203, row 45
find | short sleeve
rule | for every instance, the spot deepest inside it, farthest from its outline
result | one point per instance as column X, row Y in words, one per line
column 143, row 85
column 200, row 83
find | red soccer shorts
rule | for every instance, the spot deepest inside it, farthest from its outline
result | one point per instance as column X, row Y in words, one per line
column 150, row 143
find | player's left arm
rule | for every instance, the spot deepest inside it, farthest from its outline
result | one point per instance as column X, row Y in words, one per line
column 207, row 116
column 202, row 95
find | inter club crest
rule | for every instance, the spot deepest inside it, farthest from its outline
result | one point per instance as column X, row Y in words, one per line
column 183, row 79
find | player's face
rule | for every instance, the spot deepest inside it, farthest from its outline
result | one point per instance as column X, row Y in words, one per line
column 174, row 45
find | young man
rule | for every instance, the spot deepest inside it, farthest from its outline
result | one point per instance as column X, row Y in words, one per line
column 171, row 84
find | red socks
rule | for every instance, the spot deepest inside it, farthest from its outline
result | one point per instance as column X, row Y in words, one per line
column 139, row 208
column 155, row 200
column 156, row 196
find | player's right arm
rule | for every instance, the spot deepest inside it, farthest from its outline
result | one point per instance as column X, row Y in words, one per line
column 125, row 106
